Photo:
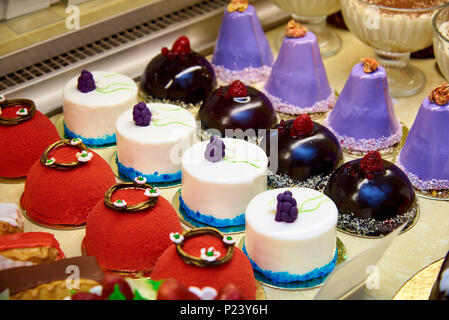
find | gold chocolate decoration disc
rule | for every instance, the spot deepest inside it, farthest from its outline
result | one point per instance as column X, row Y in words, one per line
column 48, row 225
column 342, row 256
column 420, row 285
column 60, row 129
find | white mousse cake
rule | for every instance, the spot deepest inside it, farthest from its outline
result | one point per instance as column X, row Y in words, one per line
column 218, row 183
column 92, row 102
column 151, row 139
column 291, row 240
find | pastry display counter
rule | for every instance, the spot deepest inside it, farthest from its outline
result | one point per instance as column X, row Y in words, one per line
column 425, row 243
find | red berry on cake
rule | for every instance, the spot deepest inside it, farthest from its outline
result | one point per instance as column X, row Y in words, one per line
column 173, row 290
column 181, row 45
column 237, row 89
column 86, row 296
column 303, row 125
column 372, row 162
column 112, row 283
column 230, row 292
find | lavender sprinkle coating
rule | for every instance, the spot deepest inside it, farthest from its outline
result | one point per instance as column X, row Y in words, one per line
column 86, row 82
column 215, row 149
column 141, row 115
column 286, row 209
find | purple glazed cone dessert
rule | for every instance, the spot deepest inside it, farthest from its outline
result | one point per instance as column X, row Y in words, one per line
column 298, row 81
column 373, row 196
column 425, row 155
column 242, row 51
column 363, row 118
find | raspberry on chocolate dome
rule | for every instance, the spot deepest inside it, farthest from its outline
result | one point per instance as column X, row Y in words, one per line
column 22, row 141
column 130, row 241
column 307, row 153
column 65, row 196
column 373, row 196
column 179, row 73
column 236, row 271
column 303, row 125
column 372, row 163
column 237, row 106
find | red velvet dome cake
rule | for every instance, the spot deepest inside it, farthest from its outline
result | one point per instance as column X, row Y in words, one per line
column 65, row 184
column 129, row 230
column 24, row 135
column 206, row 261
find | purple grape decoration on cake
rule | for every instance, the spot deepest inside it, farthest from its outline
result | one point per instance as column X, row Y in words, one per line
column 286, row 209
column 215, row 149
column 86, row 82
column 141, row 115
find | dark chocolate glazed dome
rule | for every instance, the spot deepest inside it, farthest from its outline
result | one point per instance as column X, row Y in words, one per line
column 237, row 107
column 306, row 149
column 179, row 74
column 373, row 196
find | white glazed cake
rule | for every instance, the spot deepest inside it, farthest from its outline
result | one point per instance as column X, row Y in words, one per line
column 217, row 193
column 154, row 151
column 91, row 116
column 297, row 251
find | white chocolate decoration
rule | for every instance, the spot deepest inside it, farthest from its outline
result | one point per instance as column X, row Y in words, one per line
column 93, row 114
column 10, row 213
column 299, row 247
column 223, row 189
column 159, row 146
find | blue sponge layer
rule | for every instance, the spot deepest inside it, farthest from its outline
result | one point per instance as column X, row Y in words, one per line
column 210, row 220
column 132, row 173
column 100, row 141
column 285, row 277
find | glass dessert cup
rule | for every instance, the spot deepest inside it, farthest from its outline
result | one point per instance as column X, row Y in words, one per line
column 393, row 33
column 312, row 14
column 441, row 40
